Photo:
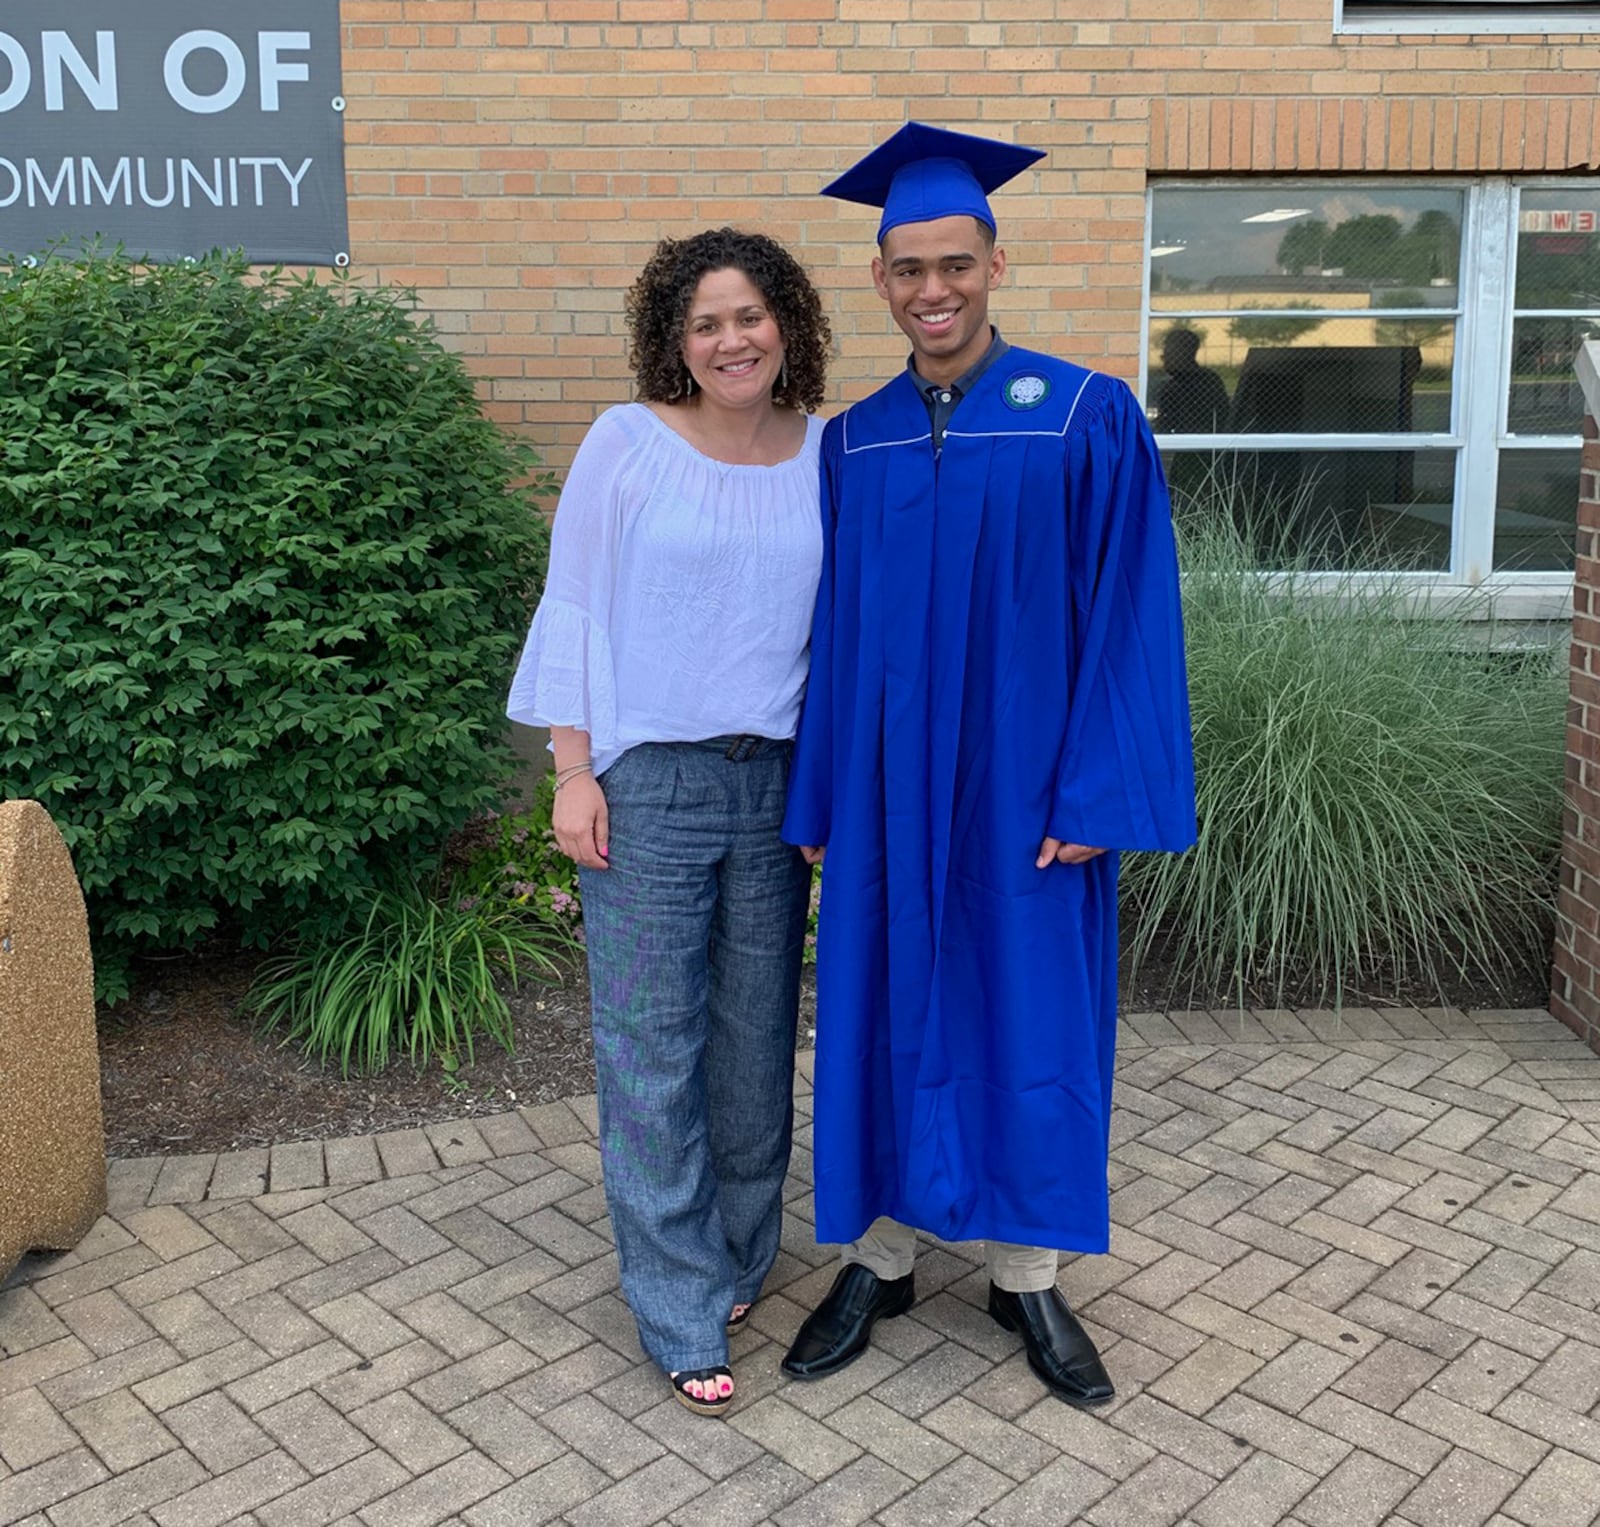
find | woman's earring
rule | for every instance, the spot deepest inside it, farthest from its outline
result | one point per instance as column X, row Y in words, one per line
column 688, row 383
column 783, row 373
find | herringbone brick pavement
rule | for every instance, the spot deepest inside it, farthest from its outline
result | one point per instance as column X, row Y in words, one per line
column 1354, row 1279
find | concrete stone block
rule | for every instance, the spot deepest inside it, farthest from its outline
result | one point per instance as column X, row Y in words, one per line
column 52, row 1137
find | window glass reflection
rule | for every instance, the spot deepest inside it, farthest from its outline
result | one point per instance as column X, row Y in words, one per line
column 1324, row 509
column 1208, row 240
column 1558, row 248
column 1543, row 395
column 1536, row 511
column 1332, row 311
column 1294, row 374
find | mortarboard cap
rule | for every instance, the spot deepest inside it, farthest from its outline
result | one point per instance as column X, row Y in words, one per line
column 923, row 172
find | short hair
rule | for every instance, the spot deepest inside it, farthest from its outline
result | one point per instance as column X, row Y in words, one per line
column 1183, row 343
column 658, row 309
column 989, row 236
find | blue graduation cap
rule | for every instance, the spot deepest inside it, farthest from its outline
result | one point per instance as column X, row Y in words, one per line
column 923, row 172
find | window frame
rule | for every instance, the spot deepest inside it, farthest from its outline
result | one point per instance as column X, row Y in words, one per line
column 1504, row 18
column 1479, row 402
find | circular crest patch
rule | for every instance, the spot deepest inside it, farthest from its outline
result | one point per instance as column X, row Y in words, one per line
column 1027, row 389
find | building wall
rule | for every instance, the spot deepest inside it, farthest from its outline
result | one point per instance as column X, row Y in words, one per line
column 1575, row 983
column 516, row 160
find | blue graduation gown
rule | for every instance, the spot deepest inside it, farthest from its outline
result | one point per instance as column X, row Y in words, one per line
column 997, row 654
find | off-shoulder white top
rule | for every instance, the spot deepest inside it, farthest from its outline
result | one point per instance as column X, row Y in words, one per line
column 678, row 601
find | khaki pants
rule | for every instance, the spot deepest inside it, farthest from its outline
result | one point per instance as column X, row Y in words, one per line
column 889, row 1249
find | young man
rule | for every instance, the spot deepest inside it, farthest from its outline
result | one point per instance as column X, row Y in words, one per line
column 996, row 706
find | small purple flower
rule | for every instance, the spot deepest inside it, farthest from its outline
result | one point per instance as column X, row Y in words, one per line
column 520, row 835
column 467, row 903
column 523, row 888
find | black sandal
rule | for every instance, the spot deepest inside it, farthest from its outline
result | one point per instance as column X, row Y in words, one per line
column 703, row 1377
column 737, row 1320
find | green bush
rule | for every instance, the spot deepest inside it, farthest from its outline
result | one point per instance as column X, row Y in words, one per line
column 265, row 565
column 813, row 914
column 513, row 861
column 413, row 974
column 1379, row 792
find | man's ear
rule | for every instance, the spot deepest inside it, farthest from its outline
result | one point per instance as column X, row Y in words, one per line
column 880, row 278
column 997, row 267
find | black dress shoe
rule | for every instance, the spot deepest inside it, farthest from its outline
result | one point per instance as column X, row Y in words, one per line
column 835, row 1333
column 1059, row 1349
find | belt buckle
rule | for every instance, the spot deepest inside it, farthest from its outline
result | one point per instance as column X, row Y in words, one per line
column 742, row 748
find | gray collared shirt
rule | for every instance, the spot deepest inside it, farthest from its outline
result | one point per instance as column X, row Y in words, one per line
column 942, row 399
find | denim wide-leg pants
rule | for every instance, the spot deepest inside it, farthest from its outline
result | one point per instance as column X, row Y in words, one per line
column 694, row 937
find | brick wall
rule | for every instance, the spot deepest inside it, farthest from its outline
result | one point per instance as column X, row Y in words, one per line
column 1575, row 983
column 515, row 160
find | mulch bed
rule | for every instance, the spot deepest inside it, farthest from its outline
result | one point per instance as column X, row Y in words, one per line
column 183, row 1072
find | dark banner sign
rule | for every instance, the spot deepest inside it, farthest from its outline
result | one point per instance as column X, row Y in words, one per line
column 173, row 127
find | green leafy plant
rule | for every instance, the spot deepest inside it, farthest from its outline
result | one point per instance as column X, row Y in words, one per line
column 412, row 974
column 264, row 565
column 513, row 860
column 813, row 912
column 1379, row 788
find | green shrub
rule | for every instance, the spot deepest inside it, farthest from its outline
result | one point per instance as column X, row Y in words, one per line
column 1379, row 794
column 813, row 914
column 513, row 861
column 264, row 571
column 414, row 974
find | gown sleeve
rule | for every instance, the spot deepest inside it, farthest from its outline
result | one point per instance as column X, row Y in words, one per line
column 1126, row 774
column 809, row 817
column 566, row 675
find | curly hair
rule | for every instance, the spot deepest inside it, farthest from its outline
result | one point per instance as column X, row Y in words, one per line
column 658, row 308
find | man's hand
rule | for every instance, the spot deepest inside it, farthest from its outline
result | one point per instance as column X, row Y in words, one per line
column 582, row 825
column 1054, row 851
column 813, row 854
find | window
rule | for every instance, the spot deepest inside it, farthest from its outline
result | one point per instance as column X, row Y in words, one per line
column 1487, row 16
column 1378, row 374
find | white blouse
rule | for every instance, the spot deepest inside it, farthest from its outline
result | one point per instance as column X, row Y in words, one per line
column 678, row 602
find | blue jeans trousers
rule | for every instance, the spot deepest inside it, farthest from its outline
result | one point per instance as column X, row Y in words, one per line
column 694, row 936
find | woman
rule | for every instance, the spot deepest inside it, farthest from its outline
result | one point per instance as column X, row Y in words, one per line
column 667, row 657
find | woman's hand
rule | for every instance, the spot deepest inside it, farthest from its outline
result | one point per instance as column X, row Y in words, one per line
column 813, row 855
column 581, row 823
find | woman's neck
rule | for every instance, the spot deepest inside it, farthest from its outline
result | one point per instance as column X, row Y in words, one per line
column 761, row 435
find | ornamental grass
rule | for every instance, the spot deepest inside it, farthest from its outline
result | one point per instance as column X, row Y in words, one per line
column 1379, row 786
column 414, row 974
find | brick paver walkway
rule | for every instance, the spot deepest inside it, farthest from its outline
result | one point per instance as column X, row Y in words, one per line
column 1355, row 1279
